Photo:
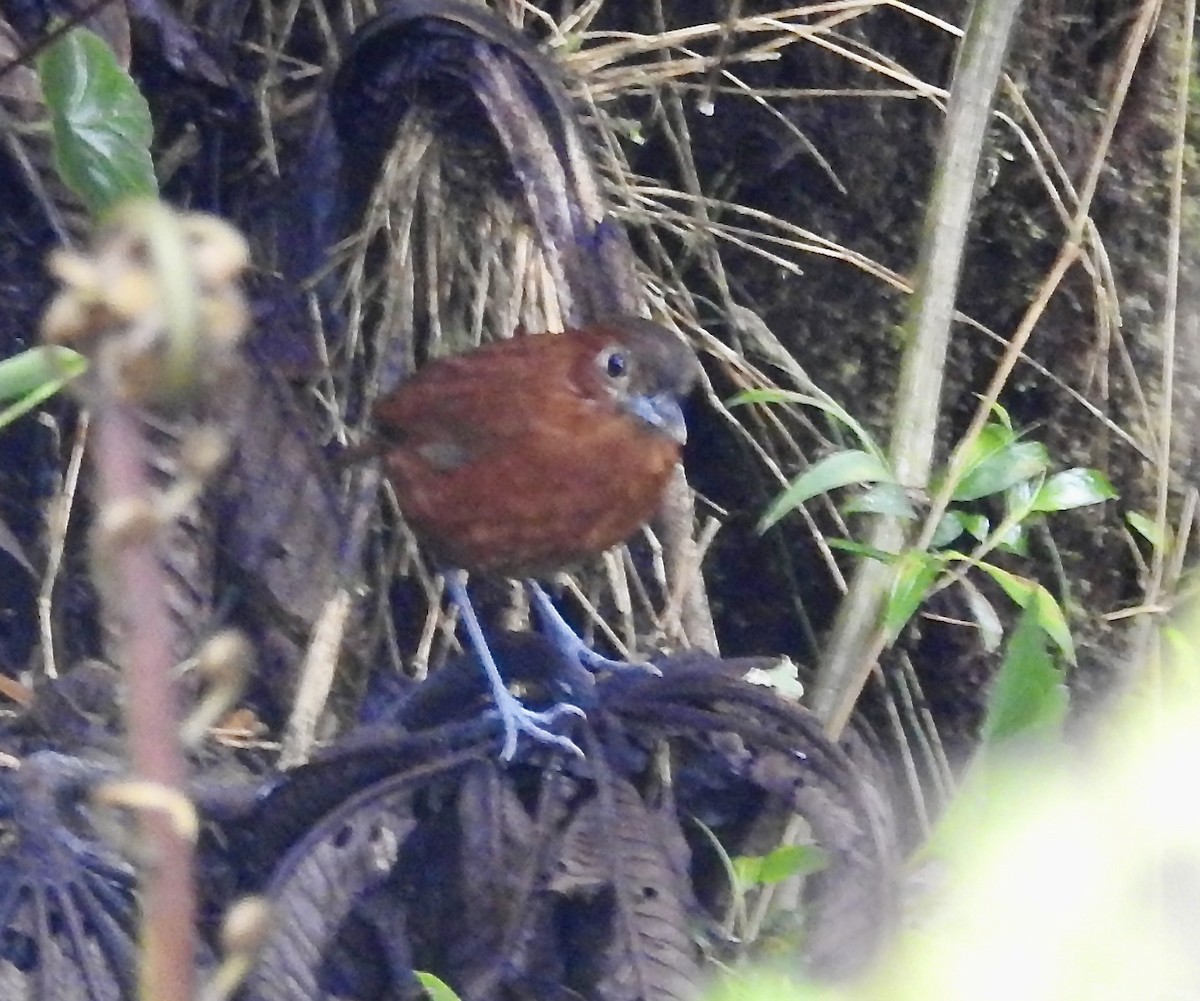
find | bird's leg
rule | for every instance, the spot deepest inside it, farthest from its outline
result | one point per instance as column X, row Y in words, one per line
column 565, row 640
column 516, row 718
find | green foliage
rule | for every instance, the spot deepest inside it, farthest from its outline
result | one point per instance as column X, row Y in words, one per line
column 1028, row 696
column 915, row 574
column 1146, row 528
column 838, row 470
column 1037, row 602
column 101, row 122
column 435, row 988
column 1001, row 465
column 783, row 863
column 1073, row 488
column 102, row 133
column 29, row 379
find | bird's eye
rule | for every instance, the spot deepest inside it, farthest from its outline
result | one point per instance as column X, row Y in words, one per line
column 615, row 364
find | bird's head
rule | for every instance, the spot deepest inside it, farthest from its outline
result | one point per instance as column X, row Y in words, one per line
column 645, row 369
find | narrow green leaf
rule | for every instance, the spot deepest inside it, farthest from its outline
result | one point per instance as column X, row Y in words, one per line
column 1028, row 696
column 915, row 574
column 1038, row 601
column 837, row 470
column 1147, row 528
column 859, row 549
column 34, row 376
column 31, row 370
column 1073, row 488
column 824, row 404
column 1002, row 416
column 437, row 989
column 1021, row 460
column 1050, row 617
column 101, row 122
column 991, row 629
column 783, row 863
column 883, row 498
column 1018, row 589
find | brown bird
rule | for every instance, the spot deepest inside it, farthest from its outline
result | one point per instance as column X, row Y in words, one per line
column 529, row 455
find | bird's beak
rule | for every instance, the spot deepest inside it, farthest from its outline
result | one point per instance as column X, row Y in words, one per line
column 663, row 413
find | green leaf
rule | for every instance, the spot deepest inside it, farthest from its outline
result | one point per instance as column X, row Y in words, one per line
column 1020, row 460
column 859, row 549
column 783, row 863
column 915, row 574
column 101, row 122
column 1050, row 617
column 1073, row 488
column 1015, row 540
column 1028, row 696
column 33, row 376
column 837, row 470
column 435, row 988
column 991, row 440
column 825, row 404
column 1018, row 589
column 949, row 528
column 31, row 370
column 1037, row 600
column 991, row 629
column 883, row 498
column 1147, row 528
column 1002, row 416
column 977, row 526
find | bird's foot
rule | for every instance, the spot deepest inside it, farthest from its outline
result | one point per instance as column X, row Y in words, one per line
column 518, row 719
column 559, row 632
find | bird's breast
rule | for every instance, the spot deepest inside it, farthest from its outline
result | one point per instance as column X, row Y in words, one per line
column 562, row 490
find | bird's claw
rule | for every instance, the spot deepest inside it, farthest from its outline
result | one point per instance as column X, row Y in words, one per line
column 517, row 719
column 571, row 646
column 598, row 662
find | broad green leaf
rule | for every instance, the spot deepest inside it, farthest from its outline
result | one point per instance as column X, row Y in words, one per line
column 101, row 122
column 1018, row 499
column 948, row 529
column 915, row 574
column 1021, row 460
column 837, row 470
column 1073, row 488
column 33, row 376
column 783, row 863
column 1028, row 696
column 991, row 629
column 1147, row 528
column 437, row 989
column 883, row 498
column 991, row 440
